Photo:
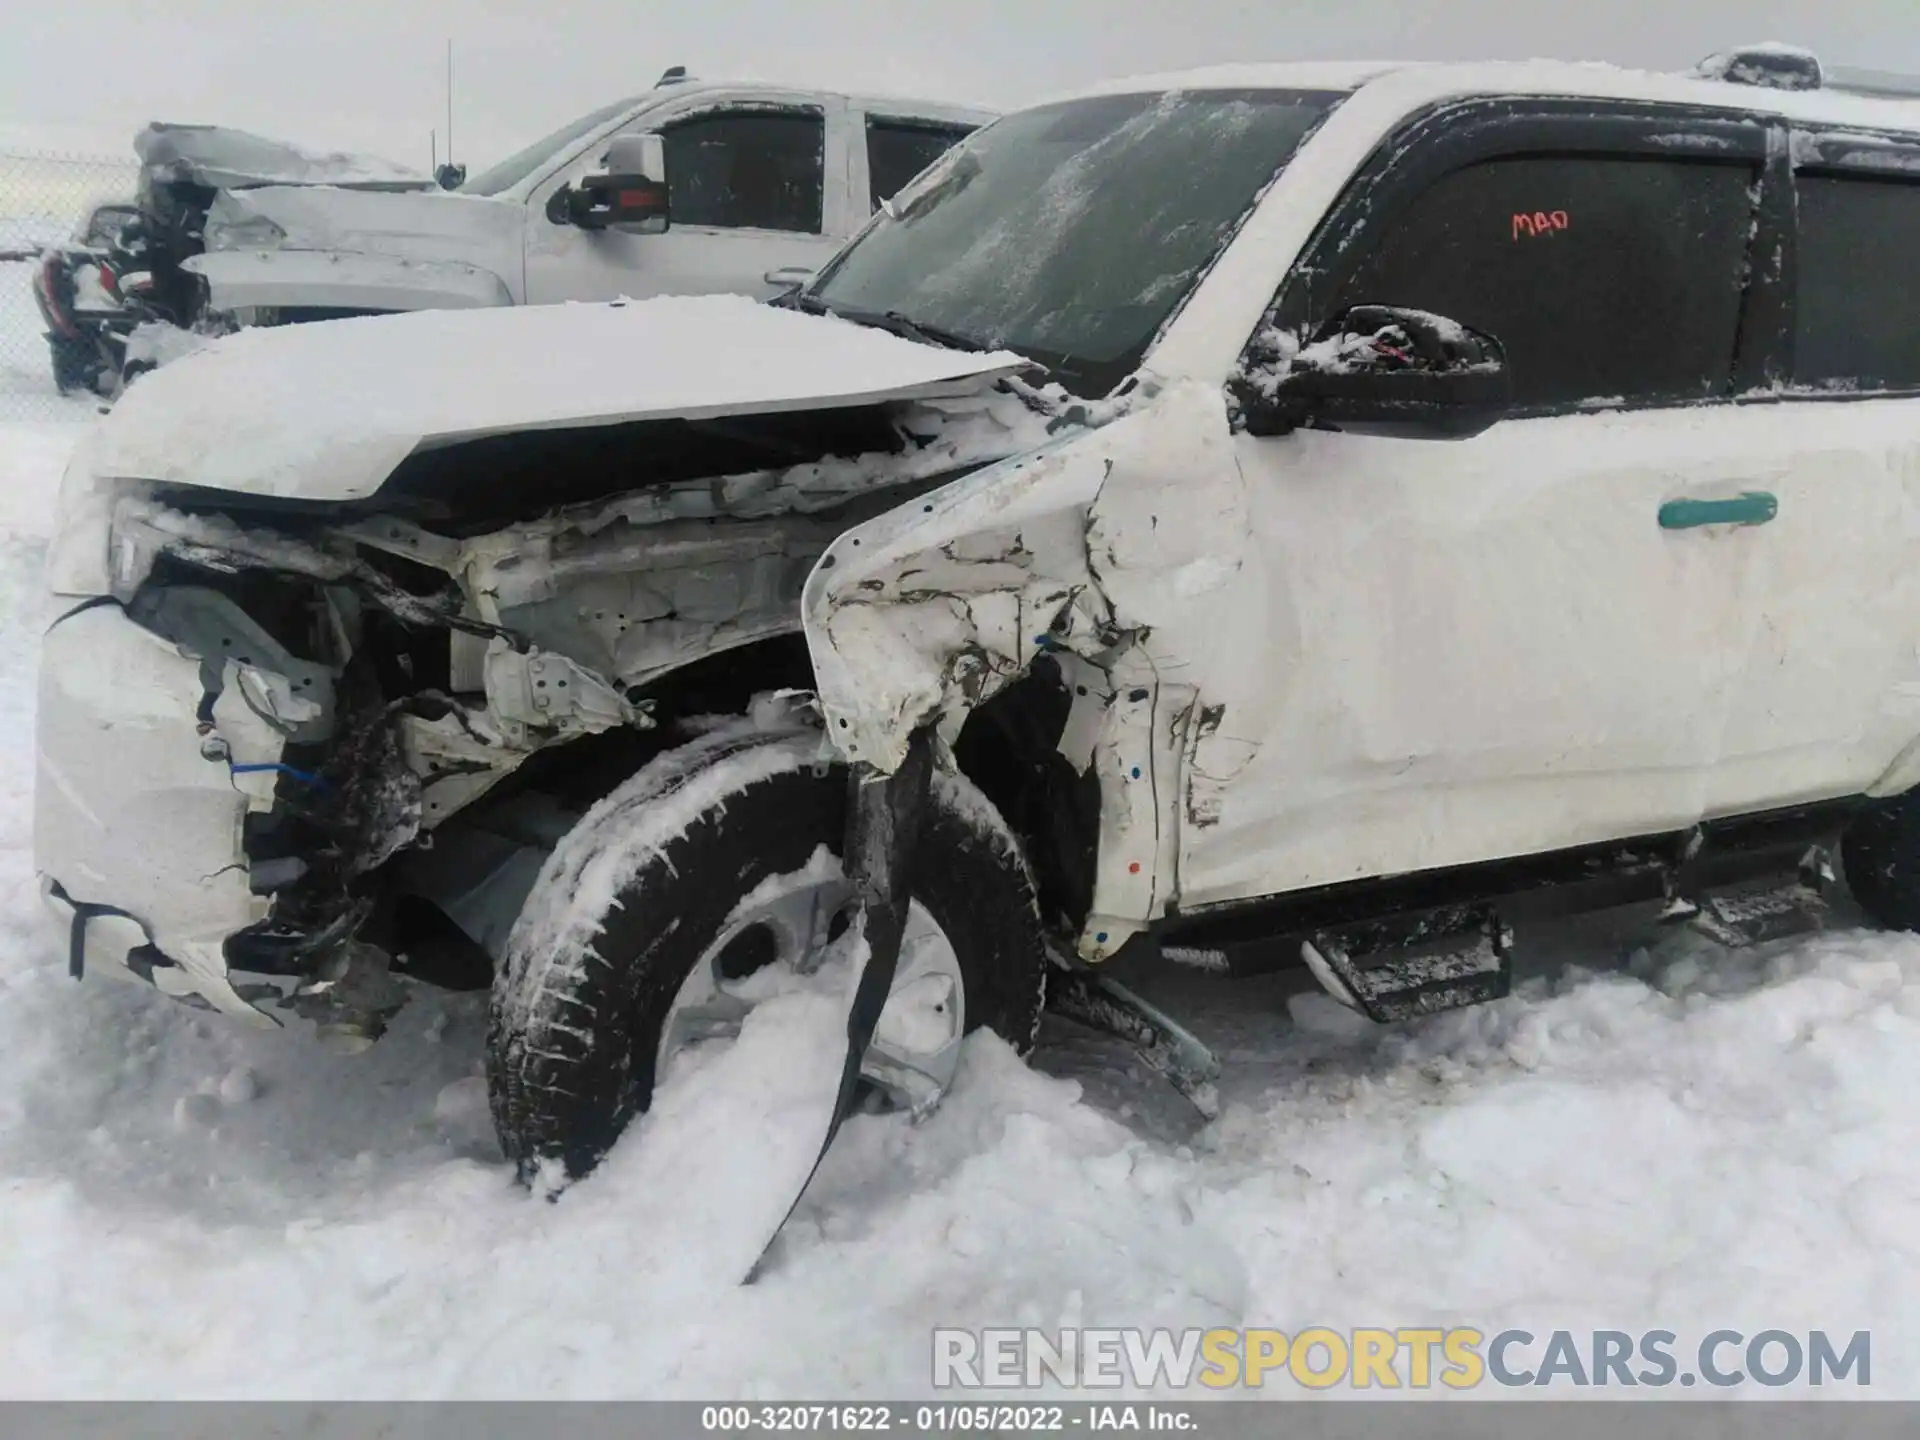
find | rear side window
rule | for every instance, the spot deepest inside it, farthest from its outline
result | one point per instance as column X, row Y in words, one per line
column 1857, row 310
column 1605, row 278
column 898, row 150
column 748, row 169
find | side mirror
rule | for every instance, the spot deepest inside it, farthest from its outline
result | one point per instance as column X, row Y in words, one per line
column 1382, row 370
column 789, row 278
column 630, row 194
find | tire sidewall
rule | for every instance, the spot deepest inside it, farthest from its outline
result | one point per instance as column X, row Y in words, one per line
column 578, row 1070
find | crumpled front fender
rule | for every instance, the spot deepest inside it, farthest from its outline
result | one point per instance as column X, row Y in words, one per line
column 922, row 613
column 1121, row 546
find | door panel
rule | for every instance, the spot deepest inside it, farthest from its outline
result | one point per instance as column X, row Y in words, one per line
column 714, row 251
column 1472, row 650
column 1829, row 695
column 1832, row 693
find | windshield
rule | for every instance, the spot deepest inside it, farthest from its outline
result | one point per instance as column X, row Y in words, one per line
column 517, row 166
column 1070, row 232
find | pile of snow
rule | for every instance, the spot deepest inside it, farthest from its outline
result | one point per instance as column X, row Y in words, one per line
column 1682, row 1139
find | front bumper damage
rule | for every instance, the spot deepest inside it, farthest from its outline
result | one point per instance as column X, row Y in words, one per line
column 137, row 826
column 242, row 719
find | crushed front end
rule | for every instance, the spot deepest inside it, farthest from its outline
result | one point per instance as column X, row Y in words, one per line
column 234, row 729
column 292, row 755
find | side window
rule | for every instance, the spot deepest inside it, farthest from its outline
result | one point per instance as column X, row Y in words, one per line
column 1604, row 278
column 898, row 150
column 748, row 169
column 1857, row 309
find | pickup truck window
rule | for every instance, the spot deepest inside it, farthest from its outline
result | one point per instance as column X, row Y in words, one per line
column 1070, row 232
column 1605, row 278
column 522, row 163
column 1857, row 314
column 898, row 150
column 748, row 169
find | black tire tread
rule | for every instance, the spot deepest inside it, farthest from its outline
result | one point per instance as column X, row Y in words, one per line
column 562, row 1036
column 1880, row 853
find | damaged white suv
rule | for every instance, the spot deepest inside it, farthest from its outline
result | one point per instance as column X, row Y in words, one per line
column 1294, row 514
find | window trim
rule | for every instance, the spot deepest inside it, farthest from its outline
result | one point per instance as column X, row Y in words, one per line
column 1850, row 153
column 1454, row 134
column 798, row 110
column 879, row 119
column 656, row 114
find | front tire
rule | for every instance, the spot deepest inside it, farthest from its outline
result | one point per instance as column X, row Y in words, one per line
column 647, row 892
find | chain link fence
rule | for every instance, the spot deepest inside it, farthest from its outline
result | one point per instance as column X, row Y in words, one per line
column 45, row 198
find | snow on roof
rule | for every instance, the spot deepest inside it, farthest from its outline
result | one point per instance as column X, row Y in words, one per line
column 885, row 103
column 1423, row 82
column 218, row 155
column 1279, row 75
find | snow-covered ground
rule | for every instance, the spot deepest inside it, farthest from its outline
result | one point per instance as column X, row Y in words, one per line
column 1679, row 1139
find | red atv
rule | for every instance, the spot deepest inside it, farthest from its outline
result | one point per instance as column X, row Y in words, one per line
column 79, row 291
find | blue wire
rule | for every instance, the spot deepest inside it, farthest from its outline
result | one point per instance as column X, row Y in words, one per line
column 303, row 776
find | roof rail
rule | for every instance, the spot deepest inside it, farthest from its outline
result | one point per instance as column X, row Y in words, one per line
column 1883, row 83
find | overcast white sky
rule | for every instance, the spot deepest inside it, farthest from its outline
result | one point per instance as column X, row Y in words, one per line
column 366, row 74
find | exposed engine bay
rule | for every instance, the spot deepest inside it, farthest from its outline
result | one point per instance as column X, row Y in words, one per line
column 419, row 693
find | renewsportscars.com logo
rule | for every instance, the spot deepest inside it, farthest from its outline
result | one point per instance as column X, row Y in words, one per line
column 1460, row 1358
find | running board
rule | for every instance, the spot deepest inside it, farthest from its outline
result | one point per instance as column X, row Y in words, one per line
column 1759, row 911
column 1719, row 858
column 1447, row 961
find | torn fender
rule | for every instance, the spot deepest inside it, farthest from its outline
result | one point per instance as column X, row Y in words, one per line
column 1122, row 546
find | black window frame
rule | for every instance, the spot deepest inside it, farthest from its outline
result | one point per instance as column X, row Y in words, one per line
column 759, row 109
column 1809, row 150
column 1453, row 135
column 926, row 124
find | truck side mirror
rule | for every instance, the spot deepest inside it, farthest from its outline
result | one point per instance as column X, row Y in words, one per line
column 1383, row 370
column 789, row 278
column 630, row 194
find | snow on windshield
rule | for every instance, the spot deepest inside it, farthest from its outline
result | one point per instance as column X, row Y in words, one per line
column 1071, row 231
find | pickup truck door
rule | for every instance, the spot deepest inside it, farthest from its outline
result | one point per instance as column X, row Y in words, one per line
column 1465, row 650
column 1828, row 702
column 757, row 181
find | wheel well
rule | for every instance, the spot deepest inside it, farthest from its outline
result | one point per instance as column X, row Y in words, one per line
column 579, row 773
column 1010, row 748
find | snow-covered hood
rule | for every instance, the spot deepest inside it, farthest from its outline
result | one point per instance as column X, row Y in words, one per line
column 218, row 157
column 326, row 412
column 412, row 225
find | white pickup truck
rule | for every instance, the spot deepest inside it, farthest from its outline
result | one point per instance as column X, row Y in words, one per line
column 761, row 185
column 1320, row 515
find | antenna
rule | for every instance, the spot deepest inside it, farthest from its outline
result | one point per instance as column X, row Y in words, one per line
column 433, row 151
column 449, row 100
